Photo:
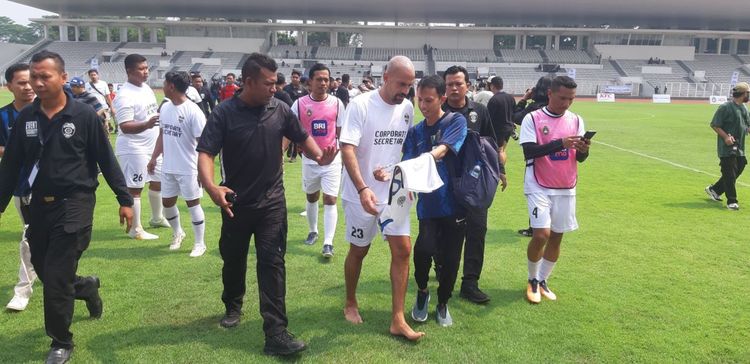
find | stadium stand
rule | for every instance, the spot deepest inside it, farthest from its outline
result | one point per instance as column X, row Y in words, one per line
column 521, row 56
column 568, row 56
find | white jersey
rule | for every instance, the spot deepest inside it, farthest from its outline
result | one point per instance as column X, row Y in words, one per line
column 528, row 135
column 378, row 131
column 483, row 97
column 181, row 127
column 99, row 89
column 138, row 104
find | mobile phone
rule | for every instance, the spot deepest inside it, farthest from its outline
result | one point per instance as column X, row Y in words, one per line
column 230, row 197
column 589, row 134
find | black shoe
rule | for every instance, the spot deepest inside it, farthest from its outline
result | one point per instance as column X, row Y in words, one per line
column 58, row 356
column 94, row 303
column 283, row 344
column 526, row 232
column 230, row 319
column 474, row 294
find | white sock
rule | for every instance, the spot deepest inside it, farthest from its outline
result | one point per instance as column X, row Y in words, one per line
column 546, row 269
column 154, row 198
column 312, row 216
column 330, row 218
column 534, row 269
column 199, row 223
column 173, row 217
column 137, row 212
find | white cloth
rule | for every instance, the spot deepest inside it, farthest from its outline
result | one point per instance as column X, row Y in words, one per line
column 193, row 95
column 135, row 169
column 181, row 126
column 483, row 97
column 378, row 131
column 528, row 135
column 421, row 174
column 322, row 178
column 414, row 175
column 361, row 227
column 103, row 90
column 186, row 186
column 557, row 213
column 134, row 103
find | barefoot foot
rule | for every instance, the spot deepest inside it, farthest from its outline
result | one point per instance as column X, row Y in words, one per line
column 352, row 314
column 405, row 331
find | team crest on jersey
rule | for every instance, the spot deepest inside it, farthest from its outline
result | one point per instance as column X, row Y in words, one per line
column 473, row 116
column 68, row 130
column 309, row 112
column 31, row 129
column 545, row 130
column 401, row 200
column 181, row 119
column 406, row 118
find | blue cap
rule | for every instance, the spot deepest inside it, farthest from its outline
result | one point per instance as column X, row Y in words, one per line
column 77, row 81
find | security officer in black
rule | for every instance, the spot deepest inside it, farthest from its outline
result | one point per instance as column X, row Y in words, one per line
column 248, row 129
column 477, row 119
column 61, row 142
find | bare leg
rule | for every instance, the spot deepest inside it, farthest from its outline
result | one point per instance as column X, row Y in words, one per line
column 352, row 269
column 536, row 245
column 552, row 250
column 400, row 252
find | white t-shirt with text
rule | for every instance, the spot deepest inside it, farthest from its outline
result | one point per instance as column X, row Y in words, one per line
column 181, row 127
column 378, row 131
column 134, row 103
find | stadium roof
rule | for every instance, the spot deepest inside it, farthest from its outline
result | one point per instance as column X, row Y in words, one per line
column 690, row 14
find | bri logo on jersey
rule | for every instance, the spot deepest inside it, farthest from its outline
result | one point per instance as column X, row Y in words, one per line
column 319, row 128
column 562, row 155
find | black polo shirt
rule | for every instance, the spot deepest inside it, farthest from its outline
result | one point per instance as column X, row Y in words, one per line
column 249, row 140
column 477, row 117
column 295, row 92
column 67, row 148
column 501, row 107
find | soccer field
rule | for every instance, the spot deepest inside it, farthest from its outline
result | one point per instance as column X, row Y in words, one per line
column 655, row 273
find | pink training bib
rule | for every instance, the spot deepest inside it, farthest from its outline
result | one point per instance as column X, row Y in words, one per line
column 557, row 170
column 319, row 119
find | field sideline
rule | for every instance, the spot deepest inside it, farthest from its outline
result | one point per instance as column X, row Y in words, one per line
column 656, row 272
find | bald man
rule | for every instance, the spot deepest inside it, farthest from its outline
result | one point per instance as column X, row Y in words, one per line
column 371, row 139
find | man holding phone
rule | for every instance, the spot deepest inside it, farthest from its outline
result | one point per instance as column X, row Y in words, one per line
column 553, row 143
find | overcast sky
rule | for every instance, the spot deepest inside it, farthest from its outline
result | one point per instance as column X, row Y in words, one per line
column 20, row 13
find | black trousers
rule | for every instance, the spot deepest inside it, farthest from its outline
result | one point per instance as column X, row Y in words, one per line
column 476, row 230
column 291, row 151
column 59, row 232
column 269, row 227
column 441, row 239
column 731, row 169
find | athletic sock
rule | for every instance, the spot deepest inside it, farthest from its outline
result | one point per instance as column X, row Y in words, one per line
column 330, row 218
column 137, row 212
column 154, row 198
column 199, row 223
column 534, row 269
column 173, row 217
column 546, row 269
column 312, row 216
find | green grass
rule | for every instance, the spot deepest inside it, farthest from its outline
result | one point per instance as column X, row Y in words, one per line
column 656, row 273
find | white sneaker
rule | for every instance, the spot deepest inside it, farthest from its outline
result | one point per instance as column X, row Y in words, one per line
column 140, row 234
column 177, row 240
column 17, row 303
column 303, row 213
column 733, row 206
column 159, row 224
column 198, row 250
